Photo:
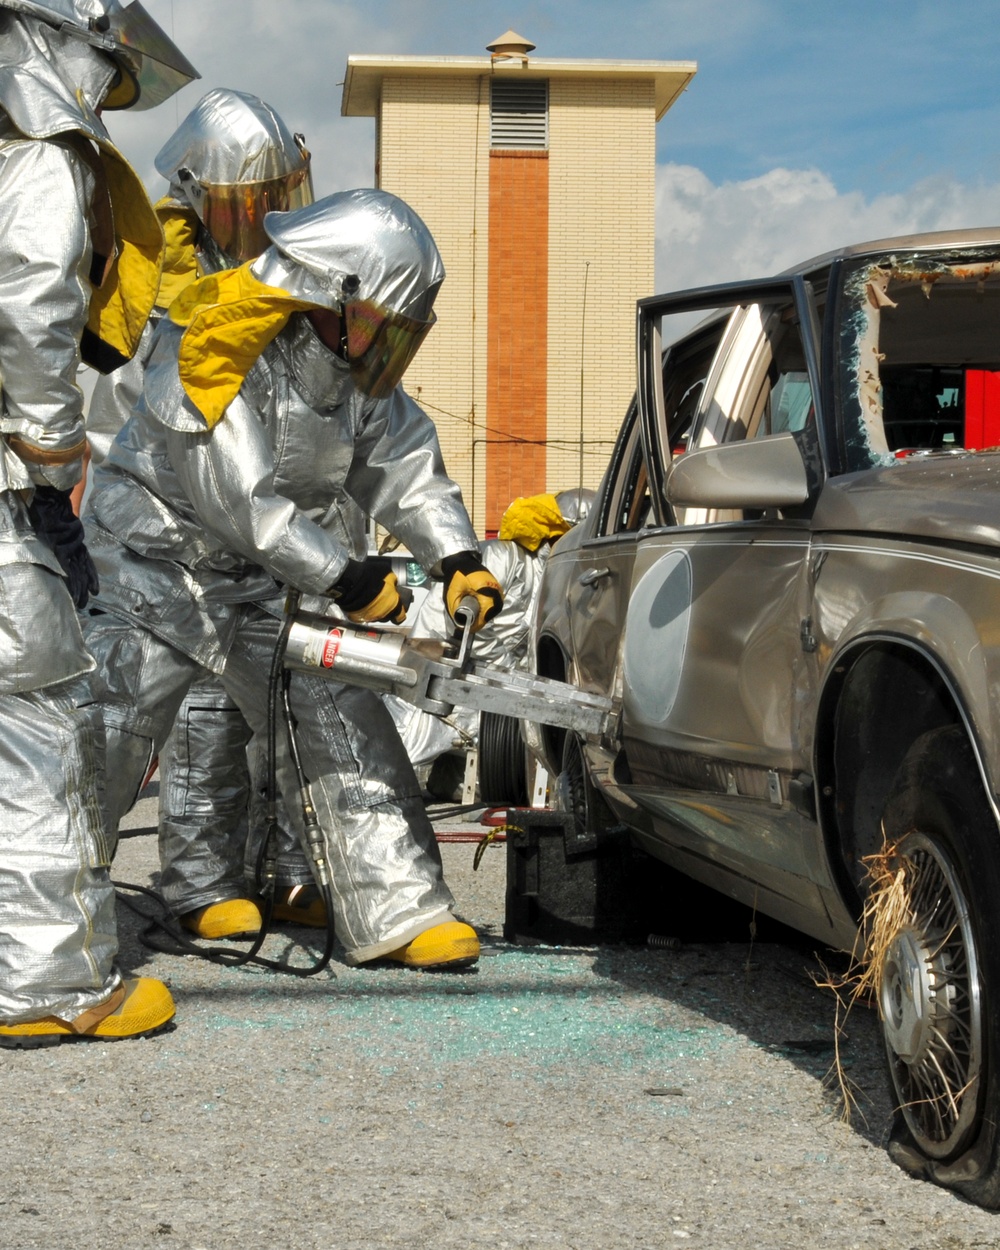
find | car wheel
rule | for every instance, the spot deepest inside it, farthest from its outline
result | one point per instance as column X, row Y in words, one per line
column 503, row 774
column 939, row 968
column 579, row 797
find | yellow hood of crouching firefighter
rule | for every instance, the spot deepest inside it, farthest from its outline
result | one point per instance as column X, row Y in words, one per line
column 229, row 318
column 533, row 520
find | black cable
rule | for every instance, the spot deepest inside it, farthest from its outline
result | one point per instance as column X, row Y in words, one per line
column 182, row 943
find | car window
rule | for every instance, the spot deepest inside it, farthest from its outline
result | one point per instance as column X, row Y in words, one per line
column 687, row 366
column 919, row 368
column 788, row 405
column 760, row 387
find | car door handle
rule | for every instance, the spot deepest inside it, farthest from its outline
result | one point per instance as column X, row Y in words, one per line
column 593, row 576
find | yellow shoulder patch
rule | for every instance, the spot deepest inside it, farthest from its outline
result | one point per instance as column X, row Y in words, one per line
column 229, row 319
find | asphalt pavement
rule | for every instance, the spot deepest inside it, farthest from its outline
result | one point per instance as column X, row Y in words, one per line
column 578, row 1095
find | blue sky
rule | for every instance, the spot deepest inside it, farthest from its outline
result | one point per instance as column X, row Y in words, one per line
column 808, row 125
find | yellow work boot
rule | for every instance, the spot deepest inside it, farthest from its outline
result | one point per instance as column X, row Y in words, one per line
column 300, row 904
column 232, row 918
column 448, row 945
column 136, row 1009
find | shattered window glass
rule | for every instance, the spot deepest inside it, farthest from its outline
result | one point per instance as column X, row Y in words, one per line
column 920, row 357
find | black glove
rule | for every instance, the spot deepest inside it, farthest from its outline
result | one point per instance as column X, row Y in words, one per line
column 465, row 574
column 61, row 530
column 367, row 591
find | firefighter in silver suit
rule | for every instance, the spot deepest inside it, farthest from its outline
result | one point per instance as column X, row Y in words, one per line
column 231, row 160
column 271, row 416
column 80, row 257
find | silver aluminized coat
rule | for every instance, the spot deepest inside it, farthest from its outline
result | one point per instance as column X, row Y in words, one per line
column 232, row 148
column 57, row 943
column 116, row 394
column 44, row 211
column 194, row 532
column 271, row 497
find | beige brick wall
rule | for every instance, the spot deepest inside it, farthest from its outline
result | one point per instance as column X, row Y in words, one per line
column 434, row 152
column 435, row 145
column 601, row 233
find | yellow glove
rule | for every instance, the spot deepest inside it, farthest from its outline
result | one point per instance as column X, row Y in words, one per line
column 367, row 591
column 464, row 575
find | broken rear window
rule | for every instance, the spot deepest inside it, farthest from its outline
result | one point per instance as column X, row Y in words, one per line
column 920, row 356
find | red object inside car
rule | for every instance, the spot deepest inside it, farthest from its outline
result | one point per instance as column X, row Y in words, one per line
column 982, row 409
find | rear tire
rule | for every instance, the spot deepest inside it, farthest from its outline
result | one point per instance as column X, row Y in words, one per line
column 939, row 981
column 503, row 772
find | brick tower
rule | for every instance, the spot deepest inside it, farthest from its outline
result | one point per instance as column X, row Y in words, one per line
column 536, row 178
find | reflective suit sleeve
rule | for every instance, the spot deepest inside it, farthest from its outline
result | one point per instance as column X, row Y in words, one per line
column 398, row 476
column 45, row 257
column 228, row 478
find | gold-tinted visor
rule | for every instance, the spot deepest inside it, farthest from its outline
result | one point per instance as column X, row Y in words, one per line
column 152, row 66
column 380, row 345
column 233, row 213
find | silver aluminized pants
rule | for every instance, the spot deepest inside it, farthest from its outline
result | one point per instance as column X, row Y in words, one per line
column 384, row 861
column 57, row 904
column 205, row 806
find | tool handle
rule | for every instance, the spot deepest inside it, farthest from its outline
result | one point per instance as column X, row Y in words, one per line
column 466, row 615
column 467, row 612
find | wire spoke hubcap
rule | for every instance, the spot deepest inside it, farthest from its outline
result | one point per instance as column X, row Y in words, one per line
column 930, row 1003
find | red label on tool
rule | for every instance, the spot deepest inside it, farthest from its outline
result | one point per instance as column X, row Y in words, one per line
column 331, row 647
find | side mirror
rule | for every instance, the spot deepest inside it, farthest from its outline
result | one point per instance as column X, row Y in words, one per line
column 759, row 473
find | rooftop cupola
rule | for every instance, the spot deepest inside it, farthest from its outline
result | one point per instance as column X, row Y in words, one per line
column 510, row 46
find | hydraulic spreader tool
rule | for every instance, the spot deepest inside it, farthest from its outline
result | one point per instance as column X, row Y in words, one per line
column 437, row 676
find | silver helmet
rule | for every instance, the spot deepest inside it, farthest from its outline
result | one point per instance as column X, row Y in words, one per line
column 150, row 65
column 234, row 160
column 367, row 256
column 575, row 504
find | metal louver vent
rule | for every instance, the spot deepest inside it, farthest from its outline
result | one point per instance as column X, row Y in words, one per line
column 519, row 114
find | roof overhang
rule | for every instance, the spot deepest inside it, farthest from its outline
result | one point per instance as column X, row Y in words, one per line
column 363, row 83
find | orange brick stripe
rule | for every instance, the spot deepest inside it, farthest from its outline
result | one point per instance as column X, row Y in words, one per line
column 517, row 329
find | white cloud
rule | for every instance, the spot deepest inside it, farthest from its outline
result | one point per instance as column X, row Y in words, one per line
column 707, row 233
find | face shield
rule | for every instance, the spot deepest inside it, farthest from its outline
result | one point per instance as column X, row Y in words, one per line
column 151, row 66
column 380, row 345
column 233, row 213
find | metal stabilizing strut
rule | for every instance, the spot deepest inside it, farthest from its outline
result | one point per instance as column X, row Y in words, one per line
column 423, row 672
